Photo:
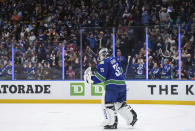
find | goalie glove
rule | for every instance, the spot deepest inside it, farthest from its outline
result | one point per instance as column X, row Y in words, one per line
column 88, row 75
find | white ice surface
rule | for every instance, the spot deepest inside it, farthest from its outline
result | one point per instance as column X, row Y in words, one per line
column 87, row 117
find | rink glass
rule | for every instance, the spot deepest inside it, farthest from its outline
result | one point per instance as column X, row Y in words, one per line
column 6, row 71
column 187, row 57
column 131, row 51
column 91, row 41
column 68, row 59
column 29, row 63
column 163, row 52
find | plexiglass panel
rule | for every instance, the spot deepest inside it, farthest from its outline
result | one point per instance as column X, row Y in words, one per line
column 93, row 39
column 38, row 60
column 6, row 59
column 131, row 51
column 187, row 52
column 171, row 54
column 72, row 60
column 163, row 54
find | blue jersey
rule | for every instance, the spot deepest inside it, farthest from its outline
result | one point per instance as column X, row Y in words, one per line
column 155, row 72
column 2, row 70
column 109, row 72
column 191, row 74
column 7, row 69
column 166, row 70
column 30, row 72
column 140, row 69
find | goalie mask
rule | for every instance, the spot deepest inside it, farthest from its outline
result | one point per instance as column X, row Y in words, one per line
column 103, row 53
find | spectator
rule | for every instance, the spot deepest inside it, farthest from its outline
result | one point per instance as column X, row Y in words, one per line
column 91, row 41
column 46, row 27
column 191, row 73
column 145, row 17
column 155, row 72
column 139, row 68
column 76, row 68
column 166, row 70
column 121, row 59
column 163, row 14
column 70, row 74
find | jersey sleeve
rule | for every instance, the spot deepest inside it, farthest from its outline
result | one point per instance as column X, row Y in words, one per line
column 101, row 74
column 121, row 68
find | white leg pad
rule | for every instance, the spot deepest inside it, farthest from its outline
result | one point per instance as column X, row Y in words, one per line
column 124, row 111
column 109, row 114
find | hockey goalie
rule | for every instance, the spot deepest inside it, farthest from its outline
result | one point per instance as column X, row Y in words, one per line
column 109, row 72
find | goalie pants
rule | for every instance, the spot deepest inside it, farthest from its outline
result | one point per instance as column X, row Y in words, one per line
column 115, row 93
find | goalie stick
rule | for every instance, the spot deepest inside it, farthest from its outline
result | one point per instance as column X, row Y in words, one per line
column 126, row 70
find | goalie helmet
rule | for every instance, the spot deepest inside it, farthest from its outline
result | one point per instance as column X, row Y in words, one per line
column 103, row 53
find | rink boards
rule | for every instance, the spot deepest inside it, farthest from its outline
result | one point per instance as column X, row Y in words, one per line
column 140, row 92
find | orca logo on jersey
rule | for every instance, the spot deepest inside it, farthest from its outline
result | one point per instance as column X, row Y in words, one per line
column 77, row 89
column 97, row 90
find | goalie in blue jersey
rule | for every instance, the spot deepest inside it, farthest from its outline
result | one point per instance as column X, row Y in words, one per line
column 109, row 72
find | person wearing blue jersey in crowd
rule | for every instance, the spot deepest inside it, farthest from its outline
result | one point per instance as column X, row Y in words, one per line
column 9, row 69
column 191, row 73
column 121, row 59
column 6, row 70
column 1, row 71
column 109, row 72
column 139, row 68
column 30, row 72
column 166, row 70
column 155, row 72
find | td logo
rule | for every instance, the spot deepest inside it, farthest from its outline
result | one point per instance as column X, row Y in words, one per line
column 77, row 89
column 97, row 90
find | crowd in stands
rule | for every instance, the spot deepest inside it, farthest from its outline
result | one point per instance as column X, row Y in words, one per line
column 164, row 21
column 174, row 19
column 38, row 30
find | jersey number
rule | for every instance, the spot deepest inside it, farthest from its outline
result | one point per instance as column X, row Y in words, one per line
column 117, row 69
